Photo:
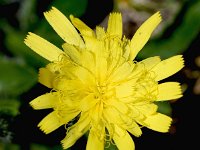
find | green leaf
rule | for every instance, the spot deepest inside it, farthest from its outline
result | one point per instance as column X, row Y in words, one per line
column 14, row 41
column 9, row 146
column 9, row 106
column 3, row 2
column 44, row 147
column 180, row 40
column 164, row 108
column 26, row 14
column 67, row 7
column 15, row 78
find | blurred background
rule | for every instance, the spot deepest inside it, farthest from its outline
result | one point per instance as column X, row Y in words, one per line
column 179, row 33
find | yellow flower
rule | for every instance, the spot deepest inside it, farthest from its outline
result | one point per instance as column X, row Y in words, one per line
column 96, row 81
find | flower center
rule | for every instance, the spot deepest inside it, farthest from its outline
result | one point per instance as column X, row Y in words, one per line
column 101, row 92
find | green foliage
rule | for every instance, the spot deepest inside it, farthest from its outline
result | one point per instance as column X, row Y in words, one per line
column 26, row 14
column 43, row 147
column 180, row 40
column 14, row 41
column 75, row 7
column 6, row 1
column 5, row 133
column 15, row 78
column 164, row 108
column 9, row 106
column 9, row 146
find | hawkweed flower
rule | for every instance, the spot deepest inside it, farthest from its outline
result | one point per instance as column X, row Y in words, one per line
column 96, row 80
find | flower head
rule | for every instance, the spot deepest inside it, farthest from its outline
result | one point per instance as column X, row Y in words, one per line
column 96, row 80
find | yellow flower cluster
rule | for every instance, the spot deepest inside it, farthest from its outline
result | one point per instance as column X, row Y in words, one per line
column 95, row 79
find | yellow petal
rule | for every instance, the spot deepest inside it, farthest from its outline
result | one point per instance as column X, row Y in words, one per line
column 96, row 113
column 83, row 122
column 115, row 25
column 101, row 70
column 134, row 129
column 88, row 102
column 168, row 67
column 126, row 49
column 81, row 26
column 158, row 122
column 126, row 122
column 116, row 59
column 46, row 77
column 94, row 45
column 100, row 32
column 43, row 47
column 120, row 106
column 147, row 109
column 83, row 58
column 55, row 67
column 85, row 76
column 136, row 114
column 45, row 101
column 88, row 60
column 72, row 52
column 169, row 91
column 63, row 27
column 64, row 84
column 80, row 128
column 71, row 138
column 122, row 139
column 94, row 143
column 53, row 121
column 121, row 72
column 124, row 90
column 150, row 62
column 143, row 34
column 112, row 115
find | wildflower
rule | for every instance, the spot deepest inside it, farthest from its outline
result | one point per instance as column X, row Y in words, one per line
column 96, row 80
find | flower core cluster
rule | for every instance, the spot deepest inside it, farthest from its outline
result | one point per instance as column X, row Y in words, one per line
column 95, row 79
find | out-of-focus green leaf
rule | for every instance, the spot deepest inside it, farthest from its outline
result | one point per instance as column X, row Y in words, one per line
column 5, row 133
column 9, row 146
column 7, row 1
column 44, row 147
column 164, row 107
column 38, row 147
column 67, row 7
column 14, row 41
column 15, row 78
column 179, row 40
column 26, row 14
column 9, row 106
